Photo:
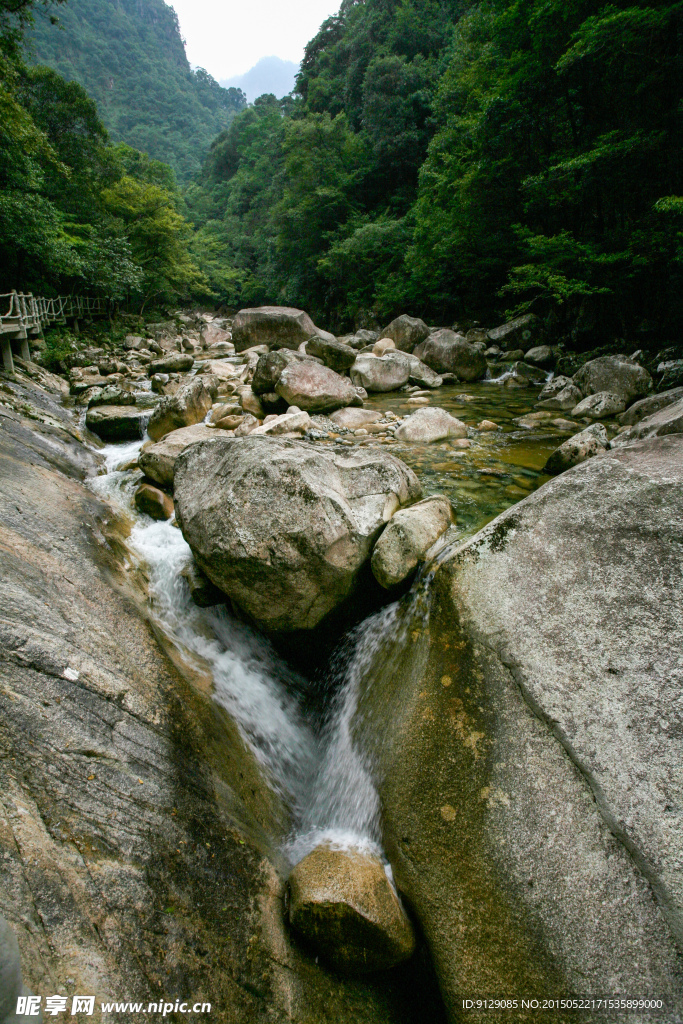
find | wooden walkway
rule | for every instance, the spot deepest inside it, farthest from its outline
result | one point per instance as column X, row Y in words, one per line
column 27, row 315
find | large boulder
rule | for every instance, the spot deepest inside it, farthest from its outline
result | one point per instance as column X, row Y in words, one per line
column 315, row 388
column 381, row 373
column 525, row 737
column 578, row 448
column 407, row 537
column 335, row 354
column 157, row 458
column 647, row 406
column 519, row 333
column 355, row 418
column 564, row 399
column 283, row 527
column 617, row 374
column 672, row 373
column 274, row 326
column 406, row 332
column 343, row 904
column 173, row 362
column 116, row 422
column 110, row 395
column 153, row 502
column 447, row 352
column 421, row 374
column 269, row 367
column 430, row 424
column 541, row 355
column 668, row 420
column 601, row 406
column 188, row 405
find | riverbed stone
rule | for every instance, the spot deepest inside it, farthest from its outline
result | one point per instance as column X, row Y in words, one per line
column 274, row 326
column 647, row 406
column 444, row 351
column 421, row 374
column 187, row 406
column 406, row 332
column 335, row 354
column 564, row 400
column 517, row 333
column 601, row 405
column 286, row 423
column 172, row 362
column 668, row 420
column 355, row 418
column 283, row 527
column 407, row 537
column 526, row 746
column 578, row 448
column 314, row 388
column 157, row 458
column 111, row 395
column 116, row 422
column 342, row 902
column 432, row 424
column 380, row 373
column 153, row 502
column 541, row 355
column 616, row 374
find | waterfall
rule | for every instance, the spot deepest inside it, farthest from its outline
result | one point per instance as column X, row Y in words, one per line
column 319, row 770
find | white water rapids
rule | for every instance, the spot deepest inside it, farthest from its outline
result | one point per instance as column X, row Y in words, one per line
column 318, row 769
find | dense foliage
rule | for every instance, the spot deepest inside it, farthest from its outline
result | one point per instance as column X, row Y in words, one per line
column 129, row 57
column 463, row 160
column 77, row 213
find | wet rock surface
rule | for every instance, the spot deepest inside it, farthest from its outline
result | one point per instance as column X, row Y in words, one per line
column 343, row 904
column 407, row 537
column 524, row 739
column 283, row 527
column 116, row 422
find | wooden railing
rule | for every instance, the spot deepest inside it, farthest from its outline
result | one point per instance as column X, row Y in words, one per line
column 27, row 315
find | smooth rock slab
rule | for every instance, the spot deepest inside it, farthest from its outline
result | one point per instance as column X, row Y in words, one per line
column 578, row 448
column 668, row 420
column 174, row 362
column 407, row 537
column 647, row 406
column 343, row 904
column 187, row 406
column 428, row 425
column 315, row 388
column 283, row 527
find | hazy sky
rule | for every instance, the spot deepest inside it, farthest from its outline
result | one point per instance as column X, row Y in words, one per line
column 227, row 37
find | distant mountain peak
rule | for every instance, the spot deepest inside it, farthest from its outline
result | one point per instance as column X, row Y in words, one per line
column 269, row 74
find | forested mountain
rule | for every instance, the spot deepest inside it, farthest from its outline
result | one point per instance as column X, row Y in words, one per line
column 270, row 74
column 461, row 160
column 130, row 58
column 76, row 213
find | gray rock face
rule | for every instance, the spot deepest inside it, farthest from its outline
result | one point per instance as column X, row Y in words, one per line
column 647, row 406
column 668, row 420
column 381, row 373
column 269, row 368
column 519, row 333
column 535, row 374
column 174, row 362
column 566, row 399
column 343, row 904
column 274, row 326
column 314, row 388
column 600, row 405
column 421, row 374
column 552, row 387
column 284, row 527
column 541, row 355
column 110, row 395
column 578, row 448
column 527, row 745
column 189, row 405
column 116, row 422
column 289, row 422
column 157, row 458
column 672, row 373
column 406, row 332
column 447, row 352
column 407, row 537
column 430, row 424
column 335, row 354
column 616, row 374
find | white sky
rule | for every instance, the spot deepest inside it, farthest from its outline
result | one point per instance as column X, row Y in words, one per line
column 227, row 37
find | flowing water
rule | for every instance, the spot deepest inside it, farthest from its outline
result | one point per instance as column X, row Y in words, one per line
column 316, row 766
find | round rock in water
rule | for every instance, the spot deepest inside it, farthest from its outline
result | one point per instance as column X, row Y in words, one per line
column 381, row 373
column 344, row 905
column 314, row 388
column 428, row 425
column 445, row 351
column 616, row 374
column 600, row 405
column 578, row 448
column 283, row 527
column 407, row 537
